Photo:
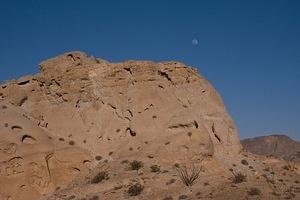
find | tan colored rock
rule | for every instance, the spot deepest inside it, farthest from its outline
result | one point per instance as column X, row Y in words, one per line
column 79, row 107
column 33, row 163
column 17, row 96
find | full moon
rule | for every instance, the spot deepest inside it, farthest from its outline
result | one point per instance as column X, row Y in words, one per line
column 195, row 42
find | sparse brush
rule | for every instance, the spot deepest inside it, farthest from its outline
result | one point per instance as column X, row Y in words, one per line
column 136, row 165
column 135, row 189
column 155, row 168
column 100, row 177
column 239, row 177
column 189, row 178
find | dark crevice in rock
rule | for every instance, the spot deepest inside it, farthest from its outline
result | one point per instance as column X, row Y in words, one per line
column 218, row 138
column 213, row 128
column 131, row 132
column 196, row 124
column 112, row 106
column 165, row 75
column 185, row 125
column 130, row 112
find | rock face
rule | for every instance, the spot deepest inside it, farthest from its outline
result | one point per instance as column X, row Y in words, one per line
column 280, row 146
column 79, row 107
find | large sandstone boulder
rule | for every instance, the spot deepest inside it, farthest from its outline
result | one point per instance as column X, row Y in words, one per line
column 111, row 110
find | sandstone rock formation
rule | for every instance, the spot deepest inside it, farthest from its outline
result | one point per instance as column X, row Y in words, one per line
column 280, row 146
column 82, row 121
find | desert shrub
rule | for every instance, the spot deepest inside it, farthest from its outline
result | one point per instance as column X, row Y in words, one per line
column 135, row 189
column 239, row 177
column 136, row 165
column 254, row 191
column 155, row 168
column 100, row 177
column 244, row 162
column 290, row 164
column 188, row 178
column 71, row 143
column 288, row 167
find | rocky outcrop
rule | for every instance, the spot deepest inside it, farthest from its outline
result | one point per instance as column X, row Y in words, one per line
column 279, row 146
column 113, row 111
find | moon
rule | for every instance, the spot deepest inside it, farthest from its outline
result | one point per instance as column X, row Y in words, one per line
column 195, row 41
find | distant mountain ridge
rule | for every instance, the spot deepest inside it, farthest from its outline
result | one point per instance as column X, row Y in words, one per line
column 280, row 146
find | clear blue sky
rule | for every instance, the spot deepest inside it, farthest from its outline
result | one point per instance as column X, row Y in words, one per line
column 249, row 50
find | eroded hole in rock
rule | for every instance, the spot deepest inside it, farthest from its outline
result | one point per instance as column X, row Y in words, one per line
column 15, row 159
column 193, row 124
column 128, row 69
column 76, row 169
column 86, row 161
column 22, row 101
column 131, row 132
column 16, row 128
column 218, row 138
column 22, row 186
column 28, row 139
column 23, row 82
column 165, row 75
column 196, row 124
column 71, row 57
